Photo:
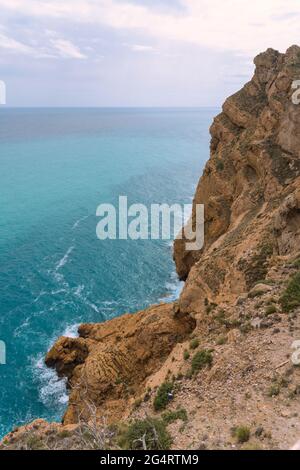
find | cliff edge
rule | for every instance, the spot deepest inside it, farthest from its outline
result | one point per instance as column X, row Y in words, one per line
column 216, row 367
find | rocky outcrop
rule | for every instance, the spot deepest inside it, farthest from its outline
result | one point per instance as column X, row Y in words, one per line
column 109, row 362
column 250, row 187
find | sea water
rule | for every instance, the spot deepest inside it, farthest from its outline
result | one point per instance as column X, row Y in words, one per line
column 56, row 167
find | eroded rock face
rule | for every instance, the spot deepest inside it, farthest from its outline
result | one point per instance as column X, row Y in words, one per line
column 251, row 191
column 250, row 187
column 110, row 361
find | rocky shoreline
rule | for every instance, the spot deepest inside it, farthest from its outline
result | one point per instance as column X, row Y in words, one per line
column 225, row 348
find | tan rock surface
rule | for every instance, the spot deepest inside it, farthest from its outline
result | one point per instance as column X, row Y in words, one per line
column 109, row 362
column 250, row 187
column 231, row 300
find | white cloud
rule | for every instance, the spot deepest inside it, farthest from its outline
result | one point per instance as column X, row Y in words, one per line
column 67, row 49
column 14, row 46
column 141, row 48
column 59, row 47
column 225, row 25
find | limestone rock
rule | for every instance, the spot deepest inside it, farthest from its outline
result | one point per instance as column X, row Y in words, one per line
column 110, row 361
column 250, row 188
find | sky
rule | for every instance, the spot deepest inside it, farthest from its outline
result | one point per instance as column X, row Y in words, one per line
column 137, row 52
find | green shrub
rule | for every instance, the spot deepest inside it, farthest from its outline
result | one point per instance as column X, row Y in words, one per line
column 194, row 343
column 171, row 416
column 246, row 328
column 219, row 165
column 137, row 403
column 274, row 390
column 254, row 294
column 220, row 317
column 201, row 359
column 296, row 263
column 271, row 309
column 186, row 355
column 35, row 442
column 290, row 299
column 242, row 434
column 147, row 434
column 222, row 340
column 161, row 399
column 64, row 434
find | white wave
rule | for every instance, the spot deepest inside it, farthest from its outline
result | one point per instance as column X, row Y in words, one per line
column 93, row 306
column 78, row 290
column 52, row 390
column 110, row 302
column 61, row 263
column 71, row 331
column 58, row 291
column 43, row 292
column 174, row 289
column 19, row 330
column 78, row 222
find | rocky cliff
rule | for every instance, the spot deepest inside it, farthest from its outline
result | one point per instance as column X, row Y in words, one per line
column 224, row 349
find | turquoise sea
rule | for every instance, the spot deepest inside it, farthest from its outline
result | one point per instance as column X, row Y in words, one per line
column 56, row 167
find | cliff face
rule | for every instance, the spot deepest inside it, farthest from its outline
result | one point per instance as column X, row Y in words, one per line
column 240, row 300
column 250, row 186
column 108, row 364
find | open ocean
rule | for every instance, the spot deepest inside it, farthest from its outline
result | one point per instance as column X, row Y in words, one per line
column 56, row 167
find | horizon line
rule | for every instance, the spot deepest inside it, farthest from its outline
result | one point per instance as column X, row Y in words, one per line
column 108, row 107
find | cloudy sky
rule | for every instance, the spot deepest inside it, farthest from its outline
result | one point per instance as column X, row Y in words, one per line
column 136, row 52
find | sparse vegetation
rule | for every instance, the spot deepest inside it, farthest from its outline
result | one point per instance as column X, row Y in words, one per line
column 64, row 434
column 186, row 355
column 270, row 310
column 147, row 434
column 242, row 434
column 34, row 443
column 201, row 359
column 137, row 403
column 219, row 165
column 290, row 299
column 220, row 317
column 210, row 306
column 296, row 263
column 256, row 270
column 271, row 301
column 256, row 293
column 246, row 327
column 171, row 416
column 221, row 340
column 194, row 343
column 274, row 390
column 161, row 399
